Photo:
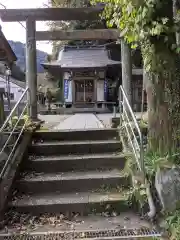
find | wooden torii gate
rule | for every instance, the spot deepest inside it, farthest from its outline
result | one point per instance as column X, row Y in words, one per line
column 30, row 16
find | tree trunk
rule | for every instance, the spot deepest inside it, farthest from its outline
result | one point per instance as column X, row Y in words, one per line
column 158, row 118
column 163, row 96
column 176, row 8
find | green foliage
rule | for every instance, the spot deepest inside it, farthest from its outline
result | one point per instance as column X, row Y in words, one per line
column 172, row 223
column 143, row 124
column 24, row 120
column 137, row 19
column 153, row 162
column 21, row 122
column 146, row 23
column 137, row 194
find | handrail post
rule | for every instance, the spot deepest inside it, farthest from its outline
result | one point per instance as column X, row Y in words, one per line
column 120, row 106
column 142, row 158
column 114, row 111
column 29, row 103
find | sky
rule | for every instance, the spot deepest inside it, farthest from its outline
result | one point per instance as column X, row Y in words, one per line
column 14, row 31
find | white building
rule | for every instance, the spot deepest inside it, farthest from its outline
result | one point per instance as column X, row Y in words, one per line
column 16, row 88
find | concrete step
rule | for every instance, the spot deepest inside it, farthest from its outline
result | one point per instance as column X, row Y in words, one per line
column 76, row 135
column 50, row 164
column 75, row 147
column 80, row 202
column 72, row 182
column 127, row 225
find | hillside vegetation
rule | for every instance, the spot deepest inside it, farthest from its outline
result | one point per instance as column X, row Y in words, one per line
column 19, row 49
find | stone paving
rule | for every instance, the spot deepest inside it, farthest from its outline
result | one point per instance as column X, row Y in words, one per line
column 105, row 119
column 51, row 121
column 80, row 121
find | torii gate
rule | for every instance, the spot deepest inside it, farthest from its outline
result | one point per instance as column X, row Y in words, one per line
column 30, row 16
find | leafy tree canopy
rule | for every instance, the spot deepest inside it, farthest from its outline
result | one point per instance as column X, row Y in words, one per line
column 147, row 23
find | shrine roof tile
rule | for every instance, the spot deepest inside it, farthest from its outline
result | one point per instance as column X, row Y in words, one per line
column 83, row 57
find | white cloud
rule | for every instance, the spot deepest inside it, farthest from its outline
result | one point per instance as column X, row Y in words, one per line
column 14, row 31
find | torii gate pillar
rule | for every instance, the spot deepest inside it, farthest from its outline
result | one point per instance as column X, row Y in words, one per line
column 31, row 67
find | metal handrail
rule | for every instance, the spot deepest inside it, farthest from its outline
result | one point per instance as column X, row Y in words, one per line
column 13, row 131
column 127, row 117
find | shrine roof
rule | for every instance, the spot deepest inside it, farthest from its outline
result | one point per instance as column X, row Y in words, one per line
column 82, row 57
column 6, row 52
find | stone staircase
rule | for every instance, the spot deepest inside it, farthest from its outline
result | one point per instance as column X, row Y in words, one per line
column 72, row 185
